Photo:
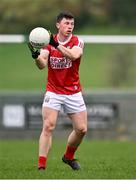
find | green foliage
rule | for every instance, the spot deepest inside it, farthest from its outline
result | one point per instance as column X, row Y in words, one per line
column 123, row 12
column 99, row 160
column 20, row 16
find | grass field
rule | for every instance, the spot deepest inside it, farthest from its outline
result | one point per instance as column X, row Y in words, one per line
column 99, row 160
column 18, row 71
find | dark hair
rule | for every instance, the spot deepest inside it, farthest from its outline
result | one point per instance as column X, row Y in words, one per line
column 64, row 14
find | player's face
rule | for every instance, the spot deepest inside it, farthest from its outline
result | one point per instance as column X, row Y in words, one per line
column 65, row 26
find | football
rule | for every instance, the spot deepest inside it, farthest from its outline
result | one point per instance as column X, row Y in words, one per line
column 39, row 37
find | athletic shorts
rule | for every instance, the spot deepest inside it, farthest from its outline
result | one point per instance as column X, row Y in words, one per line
column 68, row 103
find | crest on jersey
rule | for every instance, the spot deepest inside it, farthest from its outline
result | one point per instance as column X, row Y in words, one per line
column 47, row 98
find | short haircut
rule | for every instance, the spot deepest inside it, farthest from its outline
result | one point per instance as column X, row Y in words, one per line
column 64, row 14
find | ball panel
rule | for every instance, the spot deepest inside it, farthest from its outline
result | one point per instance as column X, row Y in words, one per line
column 39, row 37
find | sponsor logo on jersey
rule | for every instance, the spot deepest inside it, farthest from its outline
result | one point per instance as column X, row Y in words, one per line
column 60, row 63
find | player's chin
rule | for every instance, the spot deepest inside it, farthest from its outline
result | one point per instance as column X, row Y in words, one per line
column 68, row 33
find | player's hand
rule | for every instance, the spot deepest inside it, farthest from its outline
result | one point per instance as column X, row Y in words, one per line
column 35, row 53
column 52, row 41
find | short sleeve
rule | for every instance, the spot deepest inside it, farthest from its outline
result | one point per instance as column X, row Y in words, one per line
column 47, row 48
column 79, row 43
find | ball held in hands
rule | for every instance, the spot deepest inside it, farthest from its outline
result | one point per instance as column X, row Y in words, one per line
column 39, row 37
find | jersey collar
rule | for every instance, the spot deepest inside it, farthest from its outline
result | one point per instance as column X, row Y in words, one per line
column 62, row 43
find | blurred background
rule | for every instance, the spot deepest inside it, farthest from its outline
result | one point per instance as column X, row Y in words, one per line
column 107, row 70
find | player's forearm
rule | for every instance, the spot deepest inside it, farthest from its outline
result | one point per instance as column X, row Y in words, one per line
column 41, row 63
column 69, row 53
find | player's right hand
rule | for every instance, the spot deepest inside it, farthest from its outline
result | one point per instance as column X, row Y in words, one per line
column 35, row 53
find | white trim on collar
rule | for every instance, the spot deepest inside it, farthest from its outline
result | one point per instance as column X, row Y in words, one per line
column 62, row 43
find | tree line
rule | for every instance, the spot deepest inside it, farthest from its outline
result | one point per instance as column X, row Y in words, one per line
column 19, row 16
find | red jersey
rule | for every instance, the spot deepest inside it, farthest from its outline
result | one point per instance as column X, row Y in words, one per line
column 63, row 75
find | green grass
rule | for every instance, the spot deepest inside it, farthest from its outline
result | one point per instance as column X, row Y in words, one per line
column 97, row 70
column 18, row 70
column 99, row 160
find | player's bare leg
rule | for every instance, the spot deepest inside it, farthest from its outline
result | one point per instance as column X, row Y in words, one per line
column 79, row 121
column 45, row 141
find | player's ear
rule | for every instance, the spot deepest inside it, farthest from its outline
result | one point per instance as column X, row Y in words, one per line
column 57, row 25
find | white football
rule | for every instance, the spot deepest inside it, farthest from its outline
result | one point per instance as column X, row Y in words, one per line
column 39, row 37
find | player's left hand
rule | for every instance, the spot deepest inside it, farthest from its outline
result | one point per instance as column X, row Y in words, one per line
column 53, row 42
column 35, row 53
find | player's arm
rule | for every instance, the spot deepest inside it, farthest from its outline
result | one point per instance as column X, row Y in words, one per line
column 40, row 57
column 73, row 53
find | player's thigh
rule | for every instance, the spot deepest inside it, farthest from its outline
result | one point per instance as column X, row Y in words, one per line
column 52, row 100
column 49, row 116
column 79, row 120
column 74, row 103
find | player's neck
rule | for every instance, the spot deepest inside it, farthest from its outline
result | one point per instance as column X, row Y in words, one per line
column 63, row 39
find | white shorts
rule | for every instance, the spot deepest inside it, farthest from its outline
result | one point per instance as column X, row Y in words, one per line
column 68, row 103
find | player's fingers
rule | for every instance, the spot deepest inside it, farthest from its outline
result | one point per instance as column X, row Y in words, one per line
column 49, row 32
column 51, row 38
column 30, row 46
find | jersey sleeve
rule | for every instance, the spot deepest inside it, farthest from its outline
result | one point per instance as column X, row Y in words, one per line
column 47, row 48
column 79, row 43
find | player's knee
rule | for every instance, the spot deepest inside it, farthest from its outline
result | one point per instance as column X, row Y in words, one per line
column 82, row 130
column 48, row 128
